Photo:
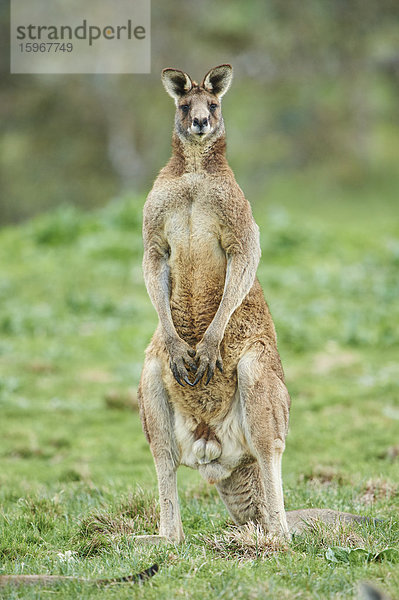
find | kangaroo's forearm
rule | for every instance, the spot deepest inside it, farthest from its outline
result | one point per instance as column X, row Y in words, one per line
column 157, row 280
column 240, row 276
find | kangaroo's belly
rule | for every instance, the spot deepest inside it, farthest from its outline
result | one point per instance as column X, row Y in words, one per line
column 197, row 266
column 210, row 403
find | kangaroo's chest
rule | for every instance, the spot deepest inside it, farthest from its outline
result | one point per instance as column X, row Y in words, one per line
column 192, row 228
column 197, row 261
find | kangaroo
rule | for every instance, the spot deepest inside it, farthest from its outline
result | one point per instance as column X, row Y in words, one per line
column 212, row 394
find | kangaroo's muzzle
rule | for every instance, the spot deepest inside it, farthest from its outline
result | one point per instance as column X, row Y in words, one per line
column 200, row 126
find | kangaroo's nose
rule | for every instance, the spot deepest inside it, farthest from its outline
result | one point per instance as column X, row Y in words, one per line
column 200, row 122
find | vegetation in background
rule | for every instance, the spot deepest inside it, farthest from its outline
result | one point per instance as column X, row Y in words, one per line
column 316, row 85
column 77, row 480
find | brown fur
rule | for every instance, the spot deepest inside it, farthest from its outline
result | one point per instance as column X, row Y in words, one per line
column 201, row 252
column 212, row 393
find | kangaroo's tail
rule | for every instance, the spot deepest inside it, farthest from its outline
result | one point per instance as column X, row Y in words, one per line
column 300, row 520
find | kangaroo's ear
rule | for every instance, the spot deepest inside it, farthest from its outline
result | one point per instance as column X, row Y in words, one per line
column 218, row 80
column 176, row 83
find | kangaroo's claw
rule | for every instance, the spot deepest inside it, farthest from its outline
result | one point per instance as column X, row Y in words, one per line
column 175, row 372
column 181, row 360
column 211, row 371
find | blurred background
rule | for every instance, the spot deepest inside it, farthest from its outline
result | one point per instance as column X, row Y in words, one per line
column 314, row 103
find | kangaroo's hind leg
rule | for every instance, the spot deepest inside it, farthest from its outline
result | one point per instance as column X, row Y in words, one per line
column 243, row 494
column 158, row 423
column 265, row 407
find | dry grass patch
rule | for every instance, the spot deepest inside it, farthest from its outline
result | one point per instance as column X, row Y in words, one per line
column 391, row 453
column 248, row 542
column 323, row 475
column 378, row 489
column 121, row 400
column 101, row 529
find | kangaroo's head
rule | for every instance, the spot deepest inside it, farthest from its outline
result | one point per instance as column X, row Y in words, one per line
column 198, row 111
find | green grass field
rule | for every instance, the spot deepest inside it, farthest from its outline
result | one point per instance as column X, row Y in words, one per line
column 76, row 475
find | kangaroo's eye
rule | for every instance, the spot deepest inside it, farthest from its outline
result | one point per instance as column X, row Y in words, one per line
column 185, row 108
column 213, row 107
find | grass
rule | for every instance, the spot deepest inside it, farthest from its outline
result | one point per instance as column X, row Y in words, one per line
column 77, row 480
